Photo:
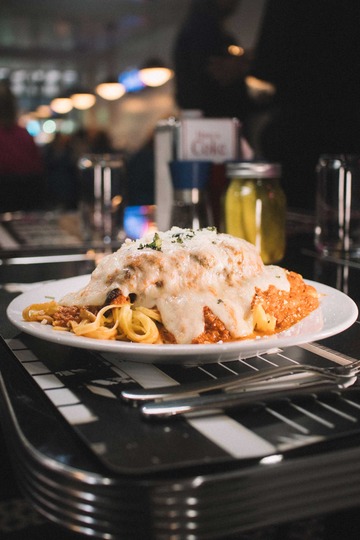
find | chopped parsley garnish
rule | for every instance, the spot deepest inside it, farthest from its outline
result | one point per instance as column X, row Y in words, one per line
column 155, row 244
column 180, row 237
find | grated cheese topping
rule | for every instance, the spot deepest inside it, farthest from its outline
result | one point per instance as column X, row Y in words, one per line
column 181, row 271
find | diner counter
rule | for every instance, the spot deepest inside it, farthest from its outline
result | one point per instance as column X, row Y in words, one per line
column 89, row 464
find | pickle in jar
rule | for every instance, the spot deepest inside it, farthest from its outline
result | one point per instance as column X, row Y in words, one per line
column 272, row 226
column 233, row 209
column 255, row 207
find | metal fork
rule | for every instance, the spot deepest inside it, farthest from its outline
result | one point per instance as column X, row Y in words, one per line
column 285, row 376
column 263, row 392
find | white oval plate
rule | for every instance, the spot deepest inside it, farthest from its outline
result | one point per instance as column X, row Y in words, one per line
column 336, row 313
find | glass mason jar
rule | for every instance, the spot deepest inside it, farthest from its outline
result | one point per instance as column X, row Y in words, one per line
column 255, row 207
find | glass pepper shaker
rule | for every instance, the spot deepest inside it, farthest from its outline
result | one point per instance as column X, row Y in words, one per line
column 190, row 205
column 255, row 207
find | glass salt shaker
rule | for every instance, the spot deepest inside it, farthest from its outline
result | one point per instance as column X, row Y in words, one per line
column 190, row 205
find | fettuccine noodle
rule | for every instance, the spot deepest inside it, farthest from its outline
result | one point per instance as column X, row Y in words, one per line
column 124, row 322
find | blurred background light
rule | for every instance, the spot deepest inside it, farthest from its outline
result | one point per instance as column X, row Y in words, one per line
column 67, row 126
column 131, row 80
column 83, row 100
column 43, row 111
column 259, row 88
column 111, row 90
column 155, row 76
column 236, row 50
column 33, row 127
column 49, row 126
column 61, row 105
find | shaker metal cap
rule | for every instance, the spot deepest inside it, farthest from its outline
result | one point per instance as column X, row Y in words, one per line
column 253, row 169
column 189, row 174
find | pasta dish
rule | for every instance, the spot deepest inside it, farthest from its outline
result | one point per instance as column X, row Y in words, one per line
column 181, row 286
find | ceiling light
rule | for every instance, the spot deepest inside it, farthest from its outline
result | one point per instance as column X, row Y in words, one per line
column 155, row 76
column 235, row 50
column 43, row 111
column 61, row 105
column 258, row 87
column 155, row 73
column 110, row 90
column 83, row 100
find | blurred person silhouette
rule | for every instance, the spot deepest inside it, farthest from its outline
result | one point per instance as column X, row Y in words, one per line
column 22, row 180
column 61, row 172
column 100, row 142
column 140, row 169
column 309, row 51
column 61, row 157
column 207, row 76
column 80, row 143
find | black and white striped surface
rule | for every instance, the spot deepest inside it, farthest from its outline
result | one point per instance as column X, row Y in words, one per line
column 90, row 462
column 85, row 388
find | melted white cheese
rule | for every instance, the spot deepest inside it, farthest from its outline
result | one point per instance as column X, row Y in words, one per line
column 180, row 272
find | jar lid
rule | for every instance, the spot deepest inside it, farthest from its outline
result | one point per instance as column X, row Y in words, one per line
column 253, row 169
